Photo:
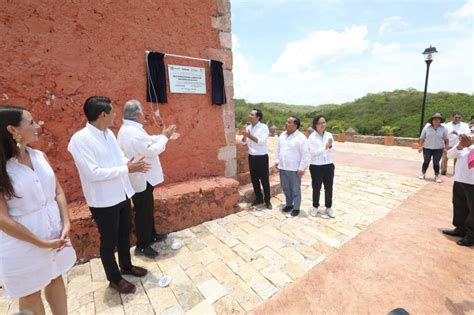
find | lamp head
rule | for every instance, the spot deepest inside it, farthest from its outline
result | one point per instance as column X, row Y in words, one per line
column 429, row 52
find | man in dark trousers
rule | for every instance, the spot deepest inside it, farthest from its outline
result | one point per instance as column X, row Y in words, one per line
column 104, row 177
column 136, row 142
column 463, row 192
column 255, row 137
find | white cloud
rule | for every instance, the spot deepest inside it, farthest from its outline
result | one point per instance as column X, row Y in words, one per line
column 254, row 85
column 452, row 26
column 466, row 11
column 378, row 48
column 242, row 70
column 305, row 71
column 345, row 81
column 391, row 24
column 322, row 46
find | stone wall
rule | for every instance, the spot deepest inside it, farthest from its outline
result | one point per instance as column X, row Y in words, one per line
column 242, row 158
column 55, row 54
column 399, row 141
column 178, row 206
column 222, row 23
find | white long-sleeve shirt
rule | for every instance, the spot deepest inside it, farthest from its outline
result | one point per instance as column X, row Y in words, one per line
column 462, row 173
column 136, row 142
column 102, row 167
column 292, row 153
column 259, row 131
column 460, row 128
column 317, row 148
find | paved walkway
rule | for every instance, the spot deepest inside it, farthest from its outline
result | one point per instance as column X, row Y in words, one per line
column 235, row 264
column 403, row 260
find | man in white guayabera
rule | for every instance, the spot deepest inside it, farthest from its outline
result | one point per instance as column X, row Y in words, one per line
column 103, row 171
column 455, row 128
column 255, row 137
column 136, row 142
column 292, row 159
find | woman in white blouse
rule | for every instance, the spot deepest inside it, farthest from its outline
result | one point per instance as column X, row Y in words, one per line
column 321, row 148
column 34, row 222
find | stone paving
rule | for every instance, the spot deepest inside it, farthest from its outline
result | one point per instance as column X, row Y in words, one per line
column 234, row 264
column 378, row 150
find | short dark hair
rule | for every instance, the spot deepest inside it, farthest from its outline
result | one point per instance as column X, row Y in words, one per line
column 316, row 119
column 259, row 114
column 457, row 113
column 96, row 105
column 297, row 121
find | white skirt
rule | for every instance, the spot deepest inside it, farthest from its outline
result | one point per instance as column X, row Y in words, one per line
column 26, row 268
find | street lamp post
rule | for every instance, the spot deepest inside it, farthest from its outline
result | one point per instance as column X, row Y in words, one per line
column 429, row 52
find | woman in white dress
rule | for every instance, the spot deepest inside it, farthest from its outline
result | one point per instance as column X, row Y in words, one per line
column 34, row 220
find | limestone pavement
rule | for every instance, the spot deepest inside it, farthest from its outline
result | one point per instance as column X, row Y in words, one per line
column 233, row 264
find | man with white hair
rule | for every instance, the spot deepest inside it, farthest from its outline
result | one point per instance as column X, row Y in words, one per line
column 135, row 142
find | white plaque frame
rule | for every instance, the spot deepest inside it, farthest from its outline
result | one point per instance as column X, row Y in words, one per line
column 187, row 80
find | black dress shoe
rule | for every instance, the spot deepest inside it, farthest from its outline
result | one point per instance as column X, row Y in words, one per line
column 146, row 251
column 123, row 286
column 456, row 232
column 466, row 241
column 287, row 209
column 295, row 213
column 135, row 271
column 159, row 237
column 268, row 205
column 256, row 202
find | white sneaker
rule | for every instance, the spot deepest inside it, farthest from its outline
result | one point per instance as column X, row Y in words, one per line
column 314, row 211
column 330, row 212
column 323, row 215
column 422, row 176
column 437, row 179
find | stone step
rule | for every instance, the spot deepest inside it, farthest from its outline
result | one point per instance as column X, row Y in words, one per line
column 177, row 206
column 247, row 194
column 244, row 178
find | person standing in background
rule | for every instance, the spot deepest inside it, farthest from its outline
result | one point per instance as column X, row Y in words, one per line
column 433, row 140
column 471, row 124
column 255, row 137
column 455, row 128
column 321, row 148
column 292, row 159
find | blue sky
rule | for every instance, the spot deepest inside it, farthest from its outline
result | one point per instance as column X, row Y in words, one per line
column 323, row 51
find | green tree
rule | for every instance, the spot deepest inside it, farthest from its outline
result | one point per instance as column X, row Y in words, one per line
column 369, row 113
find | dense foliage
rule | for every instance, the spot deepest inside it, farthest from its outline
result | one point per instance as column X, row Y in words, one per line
column 398, row 111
